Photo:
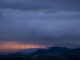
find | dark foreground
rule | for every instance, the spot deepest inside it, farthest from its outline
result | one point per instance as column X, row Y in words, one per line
column 54, row 53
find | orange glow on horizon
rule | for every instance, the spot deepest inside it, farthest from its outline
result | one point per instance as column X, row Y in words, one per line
column 17, row 45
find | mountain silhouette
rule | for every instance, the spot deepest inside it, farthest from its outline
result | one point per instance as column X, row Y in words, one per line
column 52, row 53
column 52, row 50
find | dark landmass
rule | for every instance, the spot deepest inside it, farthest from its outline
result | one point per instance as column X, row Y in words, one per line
column 53, row 53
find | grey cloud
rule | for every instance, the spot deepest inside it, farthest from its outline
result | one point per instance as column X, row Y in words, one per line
column 38, row 27
column 41, row 4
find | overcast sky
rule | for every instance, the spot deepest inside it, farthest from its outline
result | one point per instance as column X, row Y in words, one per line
column 43, row 22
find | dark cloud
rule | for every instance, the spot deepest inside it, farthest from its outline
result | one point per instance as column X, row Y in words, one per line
column 38, row 27
column 41, row 4
column 46, row 22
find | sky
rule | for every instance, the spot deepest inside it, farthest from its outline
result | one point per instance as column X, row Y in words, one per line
column 39, row 23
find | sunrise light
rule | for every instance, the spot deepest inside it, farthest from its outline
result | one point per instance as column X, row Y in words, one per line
column 17, row 45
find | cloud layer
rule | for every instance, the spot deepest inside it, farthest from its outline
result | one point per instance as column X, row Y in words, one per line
column 41, row 4
column 43, row 22
column 41, row 27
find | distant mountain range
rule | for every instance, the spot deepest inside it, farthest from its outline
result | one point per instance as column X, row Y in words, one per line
column 53, row 50
column 21, row 51
column 53, row 53
column 41, row 51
